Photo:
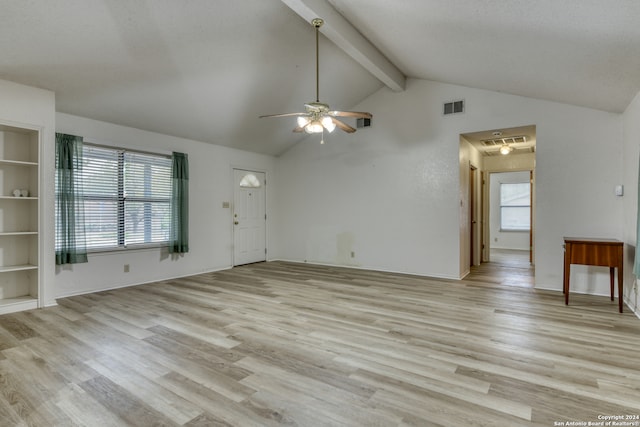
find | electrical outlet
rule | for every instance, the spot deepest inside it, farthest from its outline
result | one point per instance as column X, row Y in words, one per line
column 126, row 268
column 353, row 254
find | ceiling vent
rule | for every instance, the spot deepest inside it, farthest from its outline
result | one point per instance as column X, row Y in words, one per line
column 500, row 141
column 453, row 107
column 363, row 123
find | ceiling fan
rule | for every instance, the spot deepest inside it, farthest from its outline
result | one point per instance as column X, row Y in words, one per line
column 317, row 116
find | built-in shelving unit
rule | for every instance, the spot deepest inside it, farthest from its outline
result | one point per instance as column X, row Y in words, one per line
column 19, row 218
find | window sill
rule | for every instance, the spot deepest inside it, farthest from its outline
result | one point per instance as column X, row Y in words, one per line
column 130, row 248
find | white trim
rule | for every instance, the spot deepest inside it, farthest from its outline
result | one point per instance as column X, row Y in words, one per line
column 113, row 145
column 19, row 125
column 93, row 291
column 360, row 267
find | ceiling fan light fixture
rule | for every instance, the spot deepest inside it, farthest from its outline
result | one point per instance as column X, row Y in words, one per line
column 317, row 116
column 314, row 126
column 328, row 124
column 303, row 121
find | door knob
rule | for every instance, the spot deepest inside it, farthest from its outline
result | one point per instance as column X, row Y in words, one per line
column 235, row 222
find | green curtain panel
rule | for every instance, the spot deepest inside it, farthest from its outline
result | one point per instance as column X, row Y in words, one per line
column 71, row 247
column 179, row 238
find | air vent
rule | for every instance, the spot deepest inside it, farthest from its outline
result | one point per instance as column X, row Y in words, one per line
column 453, row 107
column 499, row 141
column 363, row 123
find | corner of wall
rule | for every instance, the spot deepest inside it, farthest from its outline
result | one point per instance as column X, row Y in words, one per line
column 630, row 157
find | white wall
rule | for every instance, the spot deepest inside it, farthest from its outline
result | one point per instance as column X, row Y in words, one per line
column 391, row 193
column 210, row 184
column 25, row 106
column 504, row 239
column 631, row 156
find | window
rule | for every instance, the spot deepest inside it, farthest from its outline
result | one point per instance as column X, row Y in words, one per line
column 515, row 206
column 250, row 181
column 127, row 197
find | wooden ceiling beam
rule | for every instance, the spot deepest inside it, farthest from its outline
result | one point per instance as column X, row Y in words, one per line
column 337, row 29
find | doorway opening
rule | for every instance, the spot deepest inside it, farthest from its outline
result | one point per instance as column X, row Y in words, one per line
column 473, row 220
column 498, row 203
column 510, row 218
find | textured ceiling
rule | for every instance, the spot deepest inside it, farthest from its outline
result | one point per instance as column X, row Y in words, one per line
column 205, row 70
column 582, row 52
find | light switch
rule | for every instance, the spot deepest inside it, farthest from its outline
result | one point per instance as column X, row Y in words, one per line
column 225, row 205
column 619, row 190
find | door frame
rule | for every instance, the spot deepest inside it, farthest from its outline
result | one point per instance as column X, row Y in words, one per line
column 473, row 214
column 232, row 210
column 486, row 235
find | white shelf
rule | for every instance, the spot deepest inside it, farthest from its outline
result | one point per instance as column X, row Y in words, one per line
column 18, row 233
column 12, row 305
column 19, row 198
column 20, row 152
column 17, row 163
column 8, row 268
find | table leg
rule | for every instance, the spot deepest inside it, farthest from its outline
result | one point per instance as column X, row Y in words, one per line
column 611, row 279
column 567, row 275
column 620, row 286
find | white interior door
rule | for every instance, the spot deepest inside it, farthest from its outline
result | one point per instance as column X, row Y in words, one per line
column 249, row 217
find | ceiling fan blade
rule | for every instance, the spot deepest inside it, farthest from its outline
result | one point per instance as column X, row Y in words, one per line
column 345, row 127
column 298, row 129
column 356, row 114
column 284, row 115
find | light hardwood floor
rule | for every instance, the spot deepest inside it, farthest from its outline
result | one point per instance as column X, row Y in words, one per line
column 510, row 257
column 301, row 345
column 507, row 268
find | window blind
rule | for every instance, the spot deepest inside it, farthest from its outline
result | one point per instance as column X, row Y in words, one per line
column 127, row 197
column 147, row 198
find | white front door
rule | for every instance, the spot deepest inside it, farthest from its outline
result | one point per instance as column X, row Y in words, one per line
column 249, row 217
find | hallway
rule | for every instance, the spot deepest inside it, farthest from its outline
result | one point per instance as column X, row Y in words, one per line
column 506, row 268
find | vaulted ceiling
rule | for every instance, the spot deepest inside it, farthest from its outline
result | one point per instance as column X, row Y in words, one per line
column 205, row 70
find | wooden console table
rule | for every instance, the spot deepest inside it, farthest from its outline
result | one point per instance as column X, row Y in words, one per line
column 598, row 252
